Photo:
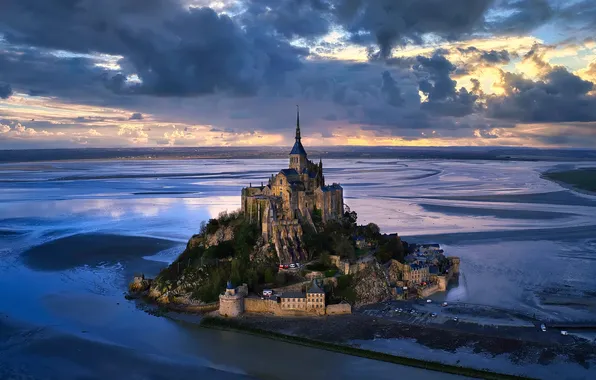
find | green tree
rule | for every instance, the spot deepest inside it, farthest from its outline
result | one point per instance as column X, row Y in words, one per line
column 269, row 276
column 391, row 248
column 372, row 232
column 280, row 278
column 252, row 277
column 325, row 260
column 343, row 247
column 236, row 271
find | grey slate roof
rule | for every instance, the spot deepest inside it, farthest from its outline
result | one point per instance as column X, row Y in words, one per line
column 289, row 172
column 298, row 148
column 315, row 288
column 293, row 295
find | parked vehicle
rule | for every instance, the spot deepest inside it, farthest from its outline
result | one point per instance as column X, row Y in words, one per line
column 543, row 327
column 433, row 315
column 292, row 265
column 429, row 301
column 267, row 292
column 455, row 319
column 286, row 266
column 564, row 332
column 281, row 266
column 444, row 304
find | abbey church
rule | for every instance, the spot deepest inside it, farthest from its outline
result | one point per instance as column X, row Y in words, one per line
column 291, row 197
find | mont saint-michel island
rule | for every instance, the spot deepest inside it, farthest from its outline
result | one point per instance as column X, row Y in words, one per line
column 292, row 263
column 294, row 248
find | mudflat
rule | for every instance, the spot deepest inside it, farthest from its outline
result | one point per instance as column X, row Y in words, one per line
column 92, row 250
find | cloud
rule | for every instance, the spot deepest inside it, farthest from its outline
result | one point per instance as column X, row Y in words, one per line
column 493, row 56
column 176, row 137
column 289, row 18
column 19, row 131
column 391, row 23
column 40, row 72
column 558, row 96
column 173, row 50
column 390, row 90
column 436, row 83
column 93, row 132
column 237, row 69
column 134, row 133
column 5, row 90
column 519, row 16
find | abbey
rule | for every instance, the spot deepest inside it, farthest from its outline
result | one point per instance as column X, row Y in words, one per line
column 290, row 197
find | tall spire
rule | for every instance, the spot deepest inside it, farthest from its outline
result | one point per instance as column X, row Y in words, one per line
column 297, row 122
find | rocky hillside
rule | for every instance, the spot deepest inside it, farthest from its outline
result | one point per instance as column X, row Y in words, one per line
column 371, row 285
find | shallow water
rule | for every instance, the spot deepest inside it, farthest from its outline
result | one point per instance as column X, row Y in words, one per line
column 73, row 233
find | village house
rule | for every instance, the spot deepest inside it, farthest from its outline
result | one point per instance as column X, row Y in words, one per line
column 313, row 300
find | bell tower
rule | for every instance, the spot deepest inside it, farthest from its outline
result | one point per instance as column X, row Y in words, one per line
column 298, row 159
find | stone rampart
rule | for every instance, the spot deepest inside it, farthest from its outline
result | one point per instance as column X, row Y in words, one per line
column 205, row 308
column 340, row 308
column 428, row 290
column 257, row 305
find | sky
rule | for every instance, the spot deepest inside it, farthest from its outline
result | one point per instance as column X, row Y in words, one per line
column 158, row 73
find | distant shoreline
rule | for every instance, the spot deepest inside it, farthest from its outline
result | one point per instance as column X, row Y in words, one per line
column 279, row 152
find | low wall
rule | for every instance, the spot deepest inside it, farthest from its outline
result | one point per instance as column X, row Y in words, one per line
column 427, row 291
column 257, row 305
column 292, row 288
column 314, row 275
column 266, row 306
column 340, row 308
column 205, row 308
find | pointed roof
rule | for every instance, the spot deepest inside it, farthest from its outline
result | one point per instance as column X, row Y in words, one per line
column 298, row 148
column 315, row 288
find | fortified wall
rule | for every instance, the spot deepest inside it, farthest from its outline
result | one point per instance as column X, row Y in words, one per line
column 269, row 306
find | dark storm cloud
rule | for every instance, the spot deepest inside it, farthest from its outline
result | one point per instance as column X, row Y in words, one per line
column 475, row 56
column 494, row 56
column 390, row 90
column 40, row 73
column 5, row 90
column 578, row 15
column 436, row 83
column 290, row 18
column 136, row 116
column 390, row 23
column 519, row 16
column 559, row 96
column 174, row 50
